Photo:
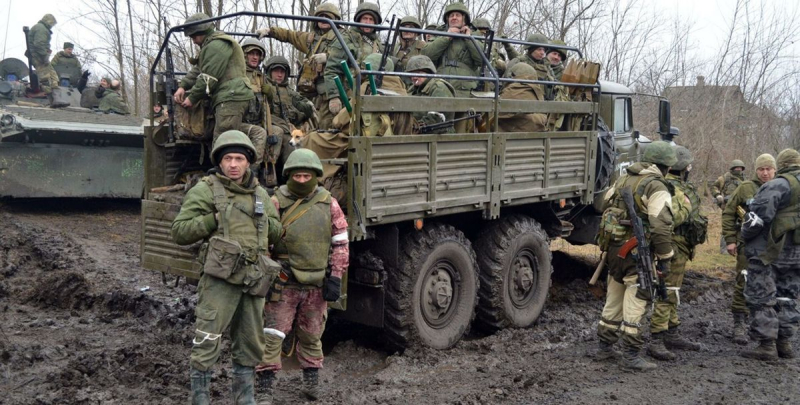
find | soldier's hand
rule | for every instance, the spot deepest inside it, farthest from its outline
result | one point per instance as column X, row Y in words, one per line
column 187, row 103
column 731, row 249
column 320, row 58
column 262, row 32
column 272, row 139
column 335, row 105
column 466, row 31
column 720, row 199
column 332, row 289
column 454, row 30
column 179, row 94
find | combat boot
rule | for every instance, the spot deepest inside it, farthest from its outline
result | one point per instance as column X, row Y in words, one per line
column 200, row 381
column 765, row 351
column 242, row 385
column 633, row 361
column 606, row 351
column 265, row 382
column 740, row 329
column 311, row 383
column 784, row 346
column 674, row 341
column 657, row 350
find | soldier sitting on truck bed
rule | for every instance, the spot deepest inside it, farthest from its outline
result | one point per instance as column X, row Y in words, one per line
column 522, row 122
column 429, row 87
column 112, row 102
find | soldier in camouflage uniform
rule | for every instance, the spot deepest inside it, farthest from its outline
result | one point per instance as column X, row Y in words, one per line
column 315, row 45
column 522, row 122
column 456, row 56
column 429, row 87
column 557, row 58
column 430, row 27
column 626, row 304
column 771, row 231
column 408, row 47
column 536, row 57
column 111, row 101
column 499, row 58
column 230, row 295
column 219, row 76
column 314, row 241
column 690, row 228
column 732, row 217
column 361, row 41
column 66, row 63
column 254, row 121
column 39, row 51
column 724, row 187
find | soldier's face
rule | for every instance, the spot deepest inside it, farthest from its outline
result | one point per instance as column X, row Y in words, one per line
column 408, row 35
column 103, row 83
column 455, row 19
column 253, row 58
column 416, row 80
column 554, row 57
column 537, row 53
column 233, row 166
column 301, row 177
column 765, row 174
column 157, row 108
column 277, row 74
column 198, row 39
column 323, row 25
column 367, row 19
column 68, row 51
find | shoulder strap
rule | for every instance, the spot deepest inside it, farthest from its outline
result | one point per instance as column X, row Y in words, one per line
column 220, row 202
column 287, row 219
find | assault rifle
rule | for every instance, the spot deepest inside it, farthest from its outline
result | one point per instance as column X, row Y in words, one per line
column 488, row 53
column 388, row 47
column 34, row 76
column 433, row 128
column 644, row 262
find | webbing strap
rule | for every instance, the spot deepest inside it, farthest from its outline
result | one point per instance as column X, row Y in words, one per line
column 287, row 220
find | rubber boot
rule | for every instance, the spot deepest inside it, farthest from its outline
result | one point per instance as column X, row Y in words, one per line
column 606, row 351
column 657, row 350
column 200, row 381
column 633, row 361
column 311, row 383
column 242, row 385
column 765, row 351
column 740, row 328
column 674, row 341
column 784, row 346
column 265, row 382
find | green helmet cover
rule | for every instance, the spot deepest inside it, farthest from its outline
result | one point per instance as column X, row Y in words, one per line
column 660, row 152
column 371, row 8
column 374, row 60
column 231, row 138
column 737, row 163
column 328, row 8
column 275, row 61
column 684, row 158
column 522, row 69
column 481, row 23
column 420, row 62
column 461, row 8
column 302, row 159
column 537, row 39
column 410, row 19
column 562, row 52
column 199, row 28
column 251, row 43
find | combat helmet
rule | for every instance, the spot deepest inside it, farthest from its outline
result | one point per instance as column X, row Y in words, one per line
column 199, row 28
column 737, row 163
column 481, row 24
column 302, row 159
column 410, row 19
column 684, row 158
column 562, row 52
column 328, row 8
column 461, row 8
column 537, row 39
column 275, row 61
column 374, row 60
column 661, row 153
column 250, row 44
column 232, row 138
column 431, row 27
column 521, row 69
column 420, row 62
column 371, row 8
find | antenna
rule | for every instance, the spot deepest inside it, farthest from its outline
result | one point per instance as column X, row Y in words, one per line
column 8, row 17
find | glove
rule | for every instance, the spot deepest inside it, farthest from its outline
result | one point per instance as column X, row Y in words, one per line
column 262, row 32
column 85, row 74
column 335, row 105
column 720, row 199
column 319, row 58
column 663, row 267
column 434, row 117
column 751, row 220
column 332, row 289
column 272, row 139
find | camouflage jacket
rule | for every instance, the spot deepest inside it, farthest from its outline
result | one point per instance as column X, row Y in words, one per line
column 455, row 56
column 112, row 102
column 262, row 90
column 360, row 45
column 288, row 106
column 220, row 73
column 741, row 197
column 433, row 88
column 67, row 64
column 403, row 51
column 726, row 184
column 39, row 42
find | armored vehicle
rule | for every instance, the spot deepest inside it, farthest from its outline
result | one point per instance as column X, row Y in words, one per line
column 68, row 151
column 446, row 230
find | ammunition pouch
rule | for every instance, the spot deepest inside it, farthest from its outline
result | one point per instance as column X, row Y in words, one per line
column 255, row 110
column 267, row 270
column 223, row 257
column 190, row 124
column 306, row 81
column 694, row 230
column 612, row 228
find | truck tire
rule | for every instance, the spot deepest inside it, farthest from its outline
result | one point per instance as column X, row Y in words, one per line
column 606, row 157
column 431, row 297
column 515, row 267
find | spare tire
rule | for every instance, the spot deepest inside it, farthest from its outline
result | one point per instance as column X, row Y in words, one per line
column 606, row 155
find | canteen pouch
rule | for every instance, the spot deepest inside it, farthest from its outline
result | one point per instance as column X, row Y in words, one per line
column 269, row 270
column 223, row 257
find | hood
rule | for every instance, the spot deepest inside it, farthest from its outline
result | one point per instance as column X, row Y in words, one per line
column 640, row 168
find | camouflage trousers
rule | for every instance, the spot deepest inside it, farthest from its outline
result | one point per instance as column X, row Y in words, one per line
column 221, row 305
column 771, row 292
column 47, row 76
column 325, row 114
column 625, row 304
column 665, row 313
column 228, row 115
column 739, row 304
column 307, row 306
column 258, row 136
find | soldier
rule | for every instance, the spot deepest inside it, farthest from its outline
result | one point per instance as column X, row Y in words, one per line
column 732, row 217
column 771, row 231
column 535, row 56
column 430, row 27
column 233, row 282
column 690, row 228
column 111, row 101
column 362, row 41
column 65, row 63
column 316, row 46
column 522, row 122
column 557, row 58
column 39, row 51
column 723, row 188
column 219, row 75
column 289, row 108
column 626, row 304
column 315, row 240
column 456, row 56
column 499, row 59
column 408, row 47
column 429, row 87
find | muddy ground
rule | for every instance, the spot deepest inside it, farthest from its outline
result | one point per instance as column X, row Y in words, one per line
column 81, row 323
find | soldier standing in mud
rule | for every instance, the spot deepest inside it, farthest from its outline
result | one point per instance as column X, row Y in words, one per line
column 771, row 231
column 690, row 228
column 732, row 217
column 626, row 303
column 314, row 239
column 232, row 214
column 724, row 187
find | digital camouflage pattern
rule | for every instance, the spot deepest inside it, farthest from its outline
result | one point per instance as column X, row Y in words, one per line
column 112, row 102
column 39, row 51
column 731, row 224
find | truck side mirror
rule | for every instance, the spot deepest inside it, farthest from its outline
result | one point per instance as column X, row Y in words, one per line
column 664, row 117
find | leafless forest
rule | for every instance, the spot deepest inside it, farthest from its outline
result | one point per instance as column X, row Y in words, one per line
column 748, row 104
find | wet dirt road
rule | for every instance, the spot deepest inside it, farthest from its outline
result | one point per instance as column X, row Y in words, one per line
column 76, row 327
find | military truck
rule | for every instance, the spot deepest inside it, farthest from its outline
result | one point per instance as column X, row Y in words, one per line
column 446, row 230
column 70, row 151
